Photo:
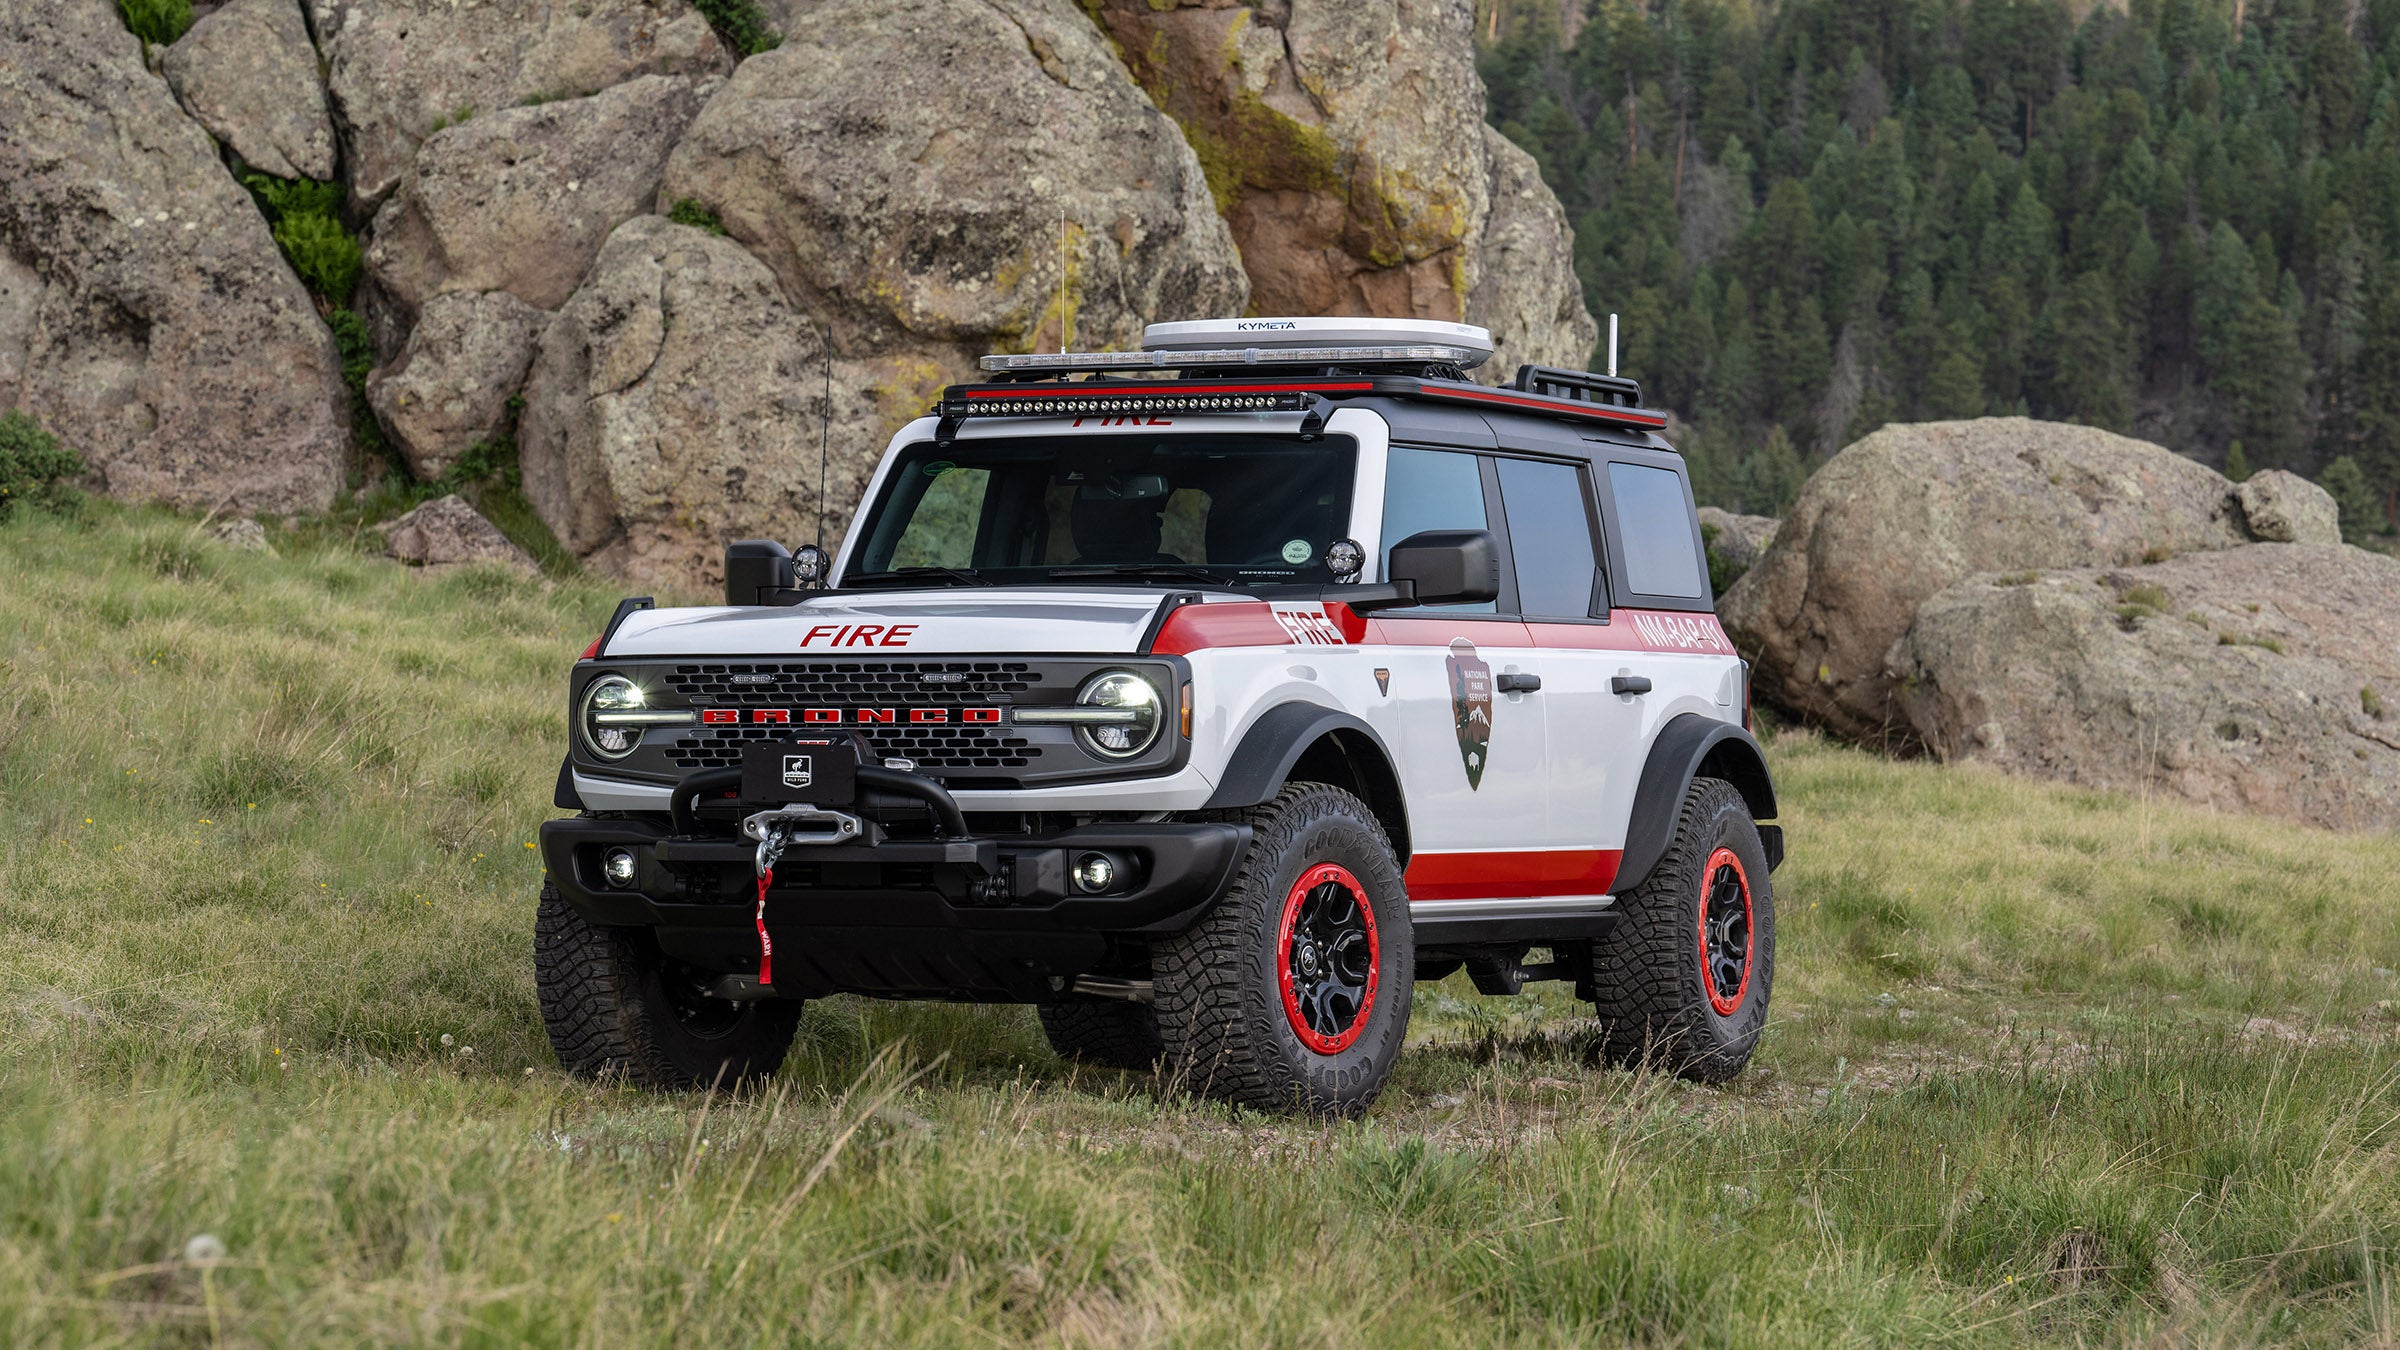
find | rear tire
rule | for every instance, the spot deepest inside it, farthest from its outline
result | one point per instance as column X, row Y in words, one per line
column 1681, row 979
column 1112, row 1035
column 616, row 1008
column 1293, row 993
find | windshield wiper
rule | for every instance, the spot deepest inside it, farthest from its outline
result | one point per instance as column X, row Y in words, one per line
column 1175, row 571
column 962, row 575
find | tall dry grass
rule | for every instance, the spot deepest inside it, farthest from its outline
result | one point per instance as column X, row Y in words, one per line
column 2048, row 1065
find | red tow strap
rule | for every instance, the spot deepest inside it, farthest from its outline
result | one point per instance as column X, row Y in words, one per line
column 766, row 945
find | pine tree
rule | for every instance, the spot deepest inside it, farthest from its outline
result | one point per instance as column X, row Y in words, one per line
column 2362, row 511
column 1770, row 479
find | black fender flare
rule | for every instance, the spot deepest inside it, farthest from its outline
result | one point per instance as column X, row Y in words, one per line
column 1277, row 742
column 1690, row 746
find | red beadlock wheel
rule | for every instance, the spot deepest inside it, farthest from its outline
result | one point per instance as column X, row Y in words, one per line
column 1328, row 958
column 1727, row 934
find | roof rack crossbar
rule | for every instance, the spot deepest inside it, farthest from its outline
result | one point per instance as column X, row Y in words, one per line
column 1581, row 385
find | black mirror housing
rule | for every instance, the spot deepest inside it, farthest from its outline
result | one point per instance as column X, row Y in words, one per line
column 754, row 570
column 1447, row 567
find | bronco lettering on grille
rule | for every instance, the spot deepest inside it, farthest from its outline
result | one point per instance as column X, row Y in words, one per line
column 836, row 716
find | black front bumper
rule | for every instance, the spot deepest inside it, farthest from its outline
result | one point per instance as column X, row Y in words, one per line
column 977, row 918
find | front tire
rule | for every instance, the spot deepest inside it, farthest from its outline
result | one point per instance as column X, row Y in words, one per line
column 617, row 1008
column 1681, row 979
column 1293, row 993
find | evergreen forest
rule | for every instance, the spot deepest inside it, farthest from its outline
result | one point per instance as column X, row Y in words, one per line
column 2178, row 219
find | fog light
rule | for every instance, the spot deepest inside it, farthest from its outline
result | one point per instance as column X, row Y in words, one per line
column 1094, row 873
column 617, row 866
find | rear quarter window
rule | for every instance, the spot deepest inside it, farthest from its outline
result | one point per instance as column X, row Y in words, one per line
column 1654, row 528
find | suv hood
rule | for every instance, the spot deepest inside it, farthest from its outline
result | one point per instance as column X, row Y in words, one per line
column 977, row 620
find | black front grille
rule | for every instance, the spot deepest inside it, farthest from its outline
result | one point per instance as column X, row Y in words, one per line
column 929, row 747
column 834, row 683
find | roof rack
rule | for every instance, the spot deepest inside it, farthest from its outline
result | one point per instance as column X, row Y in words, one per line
column 1558, row 382
column 1285, row 365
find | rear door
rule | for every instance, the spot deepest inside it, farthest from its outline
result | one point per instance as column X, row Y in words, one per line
column 1595, row 734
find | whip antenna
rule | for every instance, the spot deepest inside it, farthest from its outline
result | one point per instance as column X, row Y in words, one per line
column 1062, row 280
column 824, row 434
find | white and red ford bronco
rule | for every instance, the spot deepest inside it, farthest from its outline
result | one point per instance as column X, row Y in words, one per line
column 1207, row 697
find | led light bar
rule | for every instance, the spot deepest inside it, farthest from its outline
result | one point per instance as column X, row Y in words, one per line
column 1099, row 404
column 1412, row 354
column 645, row 717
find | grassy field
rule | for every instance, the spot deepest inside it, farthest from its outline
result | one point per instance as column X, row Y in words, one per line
column 2048, row 1066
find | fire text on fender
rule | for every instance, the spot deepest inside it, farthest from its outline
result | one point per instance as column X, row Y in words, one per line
column 1308, row 626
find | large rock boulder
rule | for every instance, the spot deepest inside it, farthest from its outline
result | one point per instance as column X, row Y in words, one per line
column 1343, row 139
column 146, row 317
column 2260, row 678
column 1526, row 290
column 2281, row 507
column 905, row 169
column 1735, row 542
column 465, row 360
column 675, row 405
column 520, row 200
column 1912, row 509
column 248, row 73
column 447, row 532
column 402, row 69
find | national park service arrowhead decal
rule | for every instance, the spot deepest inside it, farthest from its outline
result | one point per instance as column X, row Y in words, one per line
column 1471, row 705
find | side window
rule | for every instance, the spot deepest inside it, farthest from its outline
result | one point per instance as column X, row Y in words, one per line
column 1550, row 532
column 1654, row 522
column 1432, row 490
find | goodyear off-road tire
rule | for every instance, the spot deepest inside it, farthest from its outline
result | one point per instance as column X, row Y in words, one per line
column 1293, row 993
column 1681, row 979
column 1112, row 1034
column 616, row 1009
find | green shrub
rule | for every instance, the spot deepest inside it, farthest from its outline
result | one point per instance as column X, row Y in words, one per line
column 741, row 23
column 327, row 258
column 690, row 212
column 307, row 220
column 157, row 21
column 32, row 464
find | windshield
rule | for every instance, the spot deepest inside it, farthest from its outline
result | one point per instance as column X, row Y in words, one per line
column 1229, row 510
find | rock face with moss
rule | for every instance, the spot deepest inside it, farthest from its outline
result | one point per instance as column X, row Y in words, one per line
column 1345, row 142
column 146, row 317
column 674, row 405
column 248, row 73
column 905, row 169
column 401, row 70
column 2258, row 679
column 1526, row 291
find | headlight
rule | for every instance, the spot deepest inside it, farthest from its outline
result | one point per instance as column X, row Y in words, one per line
column 615, row 712
column 1116, row 714
column 1134, row 701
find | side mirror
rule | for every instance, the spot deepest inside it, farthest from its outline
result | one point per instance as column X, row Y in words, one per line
column 1448, row 567
column 755, row 569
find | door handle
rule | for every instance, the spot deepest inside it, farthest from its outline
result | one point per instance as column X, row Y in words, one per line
column 1517, row 683
column 1629, row 684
